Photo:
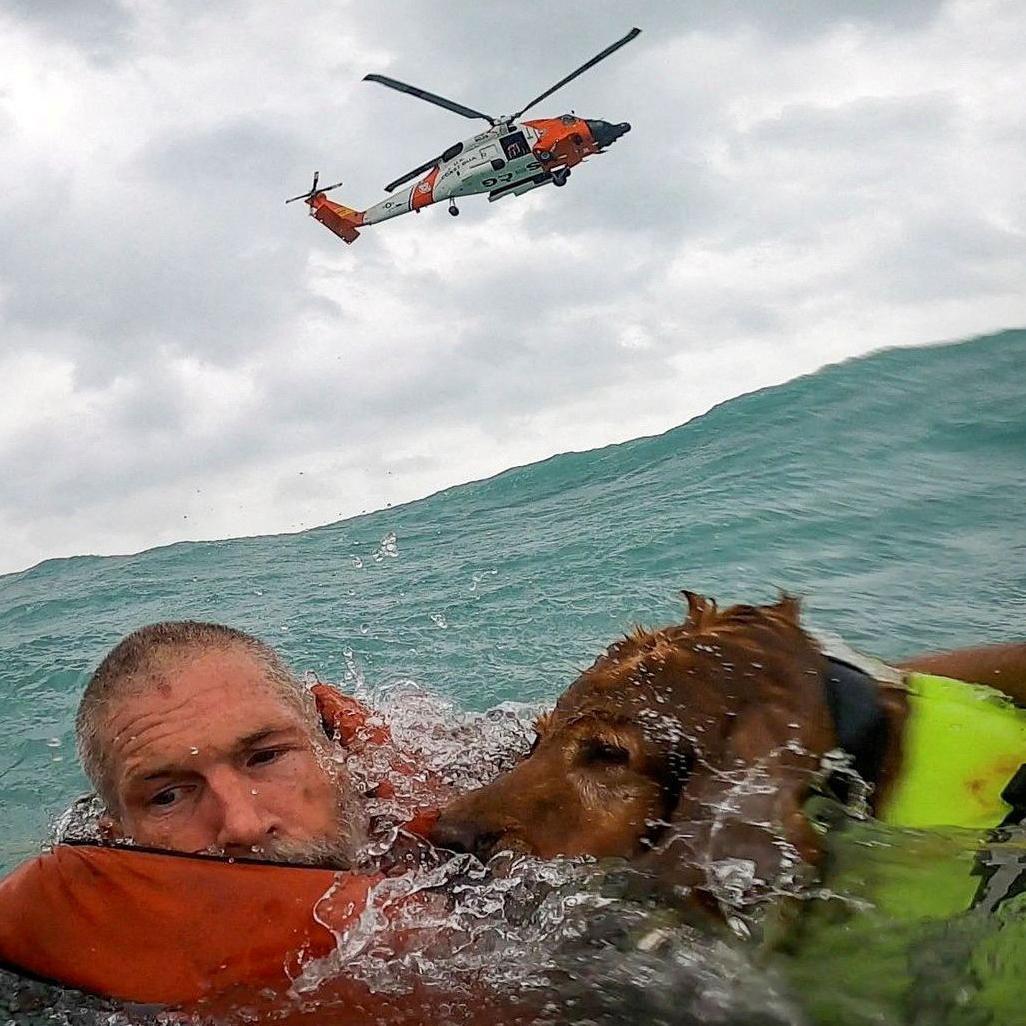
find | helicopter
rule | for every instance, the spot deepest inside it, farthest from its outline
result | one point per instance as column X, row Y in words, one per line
column 510, row 158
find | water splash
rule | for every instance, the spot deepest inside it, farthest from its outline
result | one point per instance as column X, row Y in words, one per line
column 477, row 578
column 388, row 548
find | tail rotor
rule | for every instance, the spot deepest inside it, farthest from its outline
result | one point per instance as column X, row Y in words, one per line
column 314, row 191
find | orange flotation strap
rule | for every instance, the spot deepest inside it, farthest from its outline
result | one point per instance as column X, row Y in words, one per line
column 222, row 940
column 347, row 720
column 350, row 723
column 166, row 928
column 174, row 929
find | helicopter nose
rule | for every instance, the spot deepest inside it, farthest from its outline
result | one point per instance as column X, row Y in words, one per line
column 604, row 133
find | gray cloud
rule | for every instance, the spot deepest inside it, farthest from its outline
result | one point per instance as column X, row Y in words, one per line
column 99, row 29
column 185, row 356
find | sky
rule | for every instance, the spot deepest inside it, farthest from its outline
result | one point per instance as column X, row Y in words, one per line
column 182, row 356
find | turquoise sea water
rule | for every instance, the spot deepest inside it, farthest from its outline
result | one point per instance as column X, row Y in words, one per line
column 889, row 491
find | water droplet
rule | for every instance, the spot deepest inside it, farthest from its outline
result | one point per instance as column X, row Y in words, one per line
column 254, row 791
column 357, row 562
column 439, row 620
column 365, row 628
column 53, row 742
column 194, row 751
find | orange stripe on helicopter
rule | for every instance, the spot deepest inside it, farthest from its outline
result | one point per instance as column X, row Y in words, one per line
column 424, row 191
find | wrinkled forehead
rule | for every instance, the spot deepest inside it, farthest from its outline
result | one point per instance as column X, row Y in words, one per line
column 213, row 688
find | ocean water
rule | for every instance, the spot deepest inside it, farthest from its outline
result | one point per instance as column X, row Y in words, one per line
column 888, row 491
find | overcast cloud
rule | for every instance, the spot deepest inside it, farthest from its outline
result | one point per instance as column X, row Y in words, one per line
column 182, row 356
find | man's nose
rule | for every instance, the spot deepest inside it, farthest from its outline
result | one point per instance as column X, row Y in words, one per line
column 245, row 822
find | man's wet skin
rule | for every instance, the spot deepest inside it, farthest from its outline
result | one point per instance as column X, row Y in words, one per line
column 210, row 757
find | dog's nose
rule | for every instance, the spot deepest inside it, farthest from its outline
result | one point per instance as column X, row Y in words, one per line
column 456, row 834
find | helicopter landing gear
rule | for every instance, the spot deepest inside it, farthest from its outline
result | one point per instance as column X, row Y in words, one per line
column 453, row 209
column 559, row 177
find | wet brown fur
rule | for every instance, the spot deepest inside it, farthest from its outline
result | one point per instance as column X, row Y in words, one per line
column 646, row 754
column 648, row 745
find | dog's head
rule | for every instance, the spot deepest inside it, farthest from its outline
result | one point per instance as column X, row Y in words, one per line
column 650, row 734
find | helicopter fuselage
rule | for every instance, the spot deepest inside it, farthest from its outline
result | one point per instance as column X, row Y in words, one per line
column 510, row 158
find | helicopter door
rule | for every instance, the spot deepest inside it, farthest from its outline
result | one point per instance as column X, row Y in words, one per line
column 514, row 146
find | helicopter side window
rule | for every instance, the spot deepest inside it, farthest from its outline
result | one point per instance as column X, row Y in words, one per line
column 514, row 145
column 453, row 151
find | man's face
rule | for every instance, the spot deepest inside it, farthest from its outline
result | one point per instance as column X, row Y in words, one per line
column 210, row 757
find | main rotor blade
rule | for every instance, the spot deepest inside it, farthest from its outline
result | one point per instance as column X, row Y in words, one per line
column 580, row 71
column 426, row 166
column 423, row 94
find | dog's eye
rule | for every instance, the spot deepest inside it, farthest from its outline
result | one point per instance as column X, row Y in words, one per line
column 605, row 753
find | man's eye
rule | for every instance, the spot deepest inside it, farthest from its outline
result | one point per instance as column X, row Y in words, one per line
column 265, row 756
column 165, row 799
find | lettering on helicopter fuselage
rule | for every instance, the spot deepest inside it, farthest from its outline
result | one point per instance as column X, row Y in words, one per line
column 490, row 183
column 494, row 180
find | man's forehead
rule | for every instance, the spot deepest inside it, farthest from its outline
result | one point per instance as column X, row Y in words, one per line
column 218, row 687
column 231, row 667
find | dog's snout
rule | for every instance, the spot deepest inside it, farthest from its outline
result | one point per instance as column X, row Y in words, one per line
column 456, row 833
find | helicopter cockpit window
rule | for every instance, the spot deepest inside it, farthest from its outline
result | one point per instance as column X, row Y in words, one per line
column 514, row 145
column 568, row 119
column 453, row 151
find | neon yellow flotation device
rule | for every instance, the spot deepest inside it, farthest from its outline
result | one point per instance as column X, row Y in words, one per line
column 963, row 743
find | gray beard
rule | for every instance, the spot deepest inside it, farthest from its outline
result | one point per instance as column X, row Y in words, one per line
column 339, row 851
column 328, row 854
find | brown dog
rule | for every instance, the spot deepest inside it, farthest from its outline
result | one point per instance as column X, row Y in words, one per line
column 693, row 744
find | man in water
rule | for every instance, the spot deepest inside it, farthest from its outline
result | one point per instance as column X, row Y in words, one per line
column 198, row 738
column 200, row 742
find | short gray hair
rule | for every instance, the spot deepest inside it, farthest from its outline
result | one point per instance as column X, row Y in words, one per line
column 134, row 664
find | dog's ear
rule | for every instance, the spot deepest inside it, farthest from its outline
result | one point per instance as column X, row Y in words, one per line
column 756, row 816
column 700, row 610
column 789, row 607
